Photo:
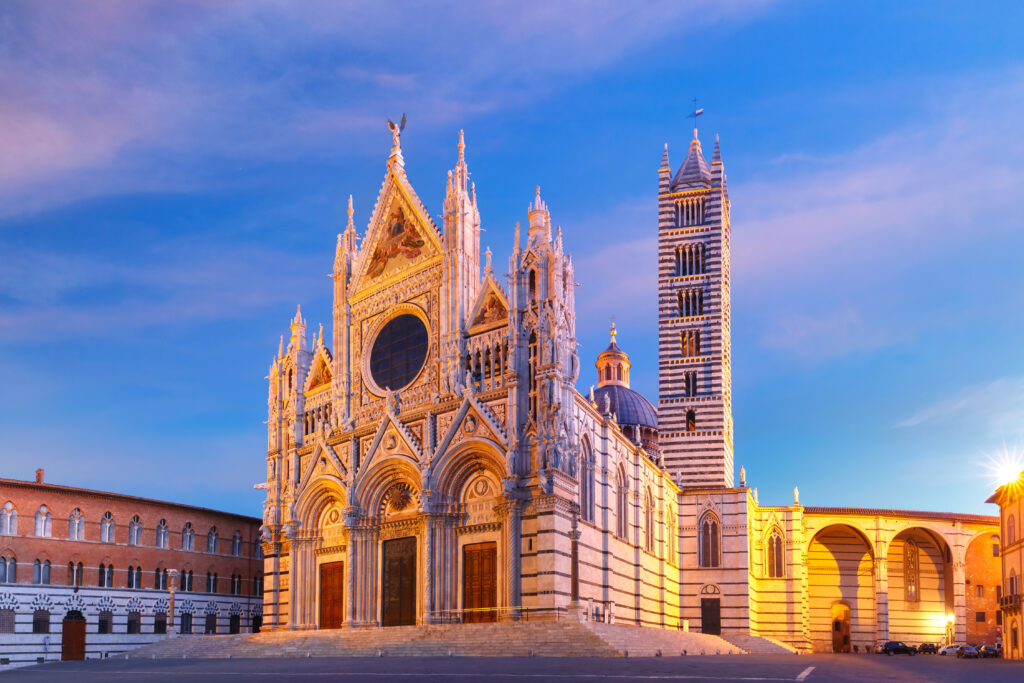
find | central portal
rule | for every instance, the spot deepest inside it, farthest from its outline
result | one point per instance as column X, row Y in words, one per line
column 398, row 594
column 332, row 594
column 479, row 582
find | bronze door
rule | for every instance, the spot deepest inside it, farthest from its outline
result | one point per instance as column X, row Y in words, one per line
column 479, row 581
column 72, row 636
column 332, row 594
column 398, row 599
column 711, row 616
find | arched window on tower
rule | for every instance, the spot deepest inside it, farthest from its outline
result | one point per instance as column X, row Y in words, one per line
column 8, row 520
column 911, row 572
column 709, row 541
column 691, row 421
column 43, row 521
column 622, row 505
column 774, row 556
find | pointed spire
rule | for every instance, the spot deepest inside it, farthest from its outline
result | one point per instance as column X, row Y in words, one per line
column 516, row 246
column 280, row 348
column 320, row 336
column 348, row 241
column 462, row 148
column 472, row 193
column 540, row 219
column 664, row 158
column 716, row 157
column 488, row 270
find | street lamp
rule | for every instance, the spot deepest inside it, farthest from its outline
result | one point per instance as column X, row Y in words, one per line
column 172, row 575
column 950, row 628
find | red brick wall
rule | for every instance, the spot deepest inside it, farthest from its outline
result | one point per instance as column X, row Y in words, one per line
column 982, row 569
column 59, row 550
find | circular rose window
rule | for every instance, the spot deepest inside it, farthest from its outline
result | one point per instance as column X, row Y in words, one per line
column 399, row 352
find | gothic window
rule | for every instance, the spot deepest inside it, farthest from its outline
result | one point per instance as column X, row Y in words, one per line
column 162, row 534
column 622, row 505
column 41, row 572
column 8, row 570
column 107, row 528
column 649, row 522
column 709, row 542
column 102, row 575
column 211, row 540
column 8, row 520
column 690, row 383
column 160, row 579
column 1011, row 530
column 531, row 379
column 188, row 537
column 257, row 551
column 76, row 526
column 533, row 285
column 911, row 572
column 135, row 531
column 75, row 572
column 236, row 544
column 586, row 482
column 618, row 372
column 691, row 421
column 257, row 585
column 774, row 555
column 43, row 521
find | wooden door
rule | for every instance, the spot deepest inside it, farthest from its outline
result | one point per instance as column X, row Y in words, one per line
column 711, row 616
column 398, row 594
column 480, row 581
column 332, row 594
column 840, row 628
column 72, row 636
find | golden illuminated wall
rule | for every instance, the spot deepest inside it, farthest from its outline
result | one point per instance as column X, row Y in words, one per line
column 840, row 569
column 922, row 620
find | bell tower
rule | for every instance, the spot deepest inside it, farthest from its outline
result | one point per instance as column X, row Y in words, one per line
column 695, row 429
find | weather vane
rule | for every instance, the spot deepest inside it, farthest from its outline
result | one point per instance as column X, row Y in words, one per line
column 696, row 112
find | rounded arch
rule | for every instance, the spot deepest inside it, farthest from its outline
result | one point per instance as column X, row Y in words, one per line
column 840, row 561
column 859, row 531
column 369, row 489
column 457, row 465
column 315, row 497
column 932, row 530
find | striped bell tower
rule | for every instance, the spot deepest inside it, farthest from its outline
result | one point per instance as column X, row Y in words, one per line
column 694, row 369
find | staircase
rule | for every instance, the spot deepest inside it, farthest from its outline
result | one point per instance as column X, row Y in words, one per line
column 760, row 645
column 507, row 639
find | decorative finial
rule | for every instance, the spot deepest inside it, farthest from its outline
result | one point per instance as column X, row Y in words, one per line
column 462, row 147
column 320, row 336
column 796, row 496
column 351, row 211
column 396, row 132
column 487, row 266
column 743, row 475
column 613, row 330
column 696, row 112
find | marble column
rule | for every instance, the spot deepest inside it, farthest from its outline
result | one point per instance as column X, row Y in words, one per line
column 881, row 598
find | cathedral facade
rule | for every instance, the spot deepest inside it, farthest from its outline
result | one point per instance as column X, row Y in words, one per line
column 434, row 462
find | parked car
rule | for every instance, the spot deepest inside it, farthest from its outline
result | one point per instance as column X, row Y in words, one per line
column 895, row 647
column 948, row 650
column 987, row 651
column 927, row 648
column 967, row 652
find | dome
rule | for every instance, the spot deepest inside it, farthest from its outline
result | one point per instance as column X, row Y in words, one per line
column 630, row 407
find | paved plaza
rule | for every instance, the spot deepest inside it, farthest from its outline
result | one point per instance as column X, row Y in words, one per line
column 811, row 668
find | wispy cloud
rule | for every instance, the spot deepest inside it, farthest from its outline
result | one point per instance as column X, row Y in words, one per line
column 996, row 409
column 101, row 98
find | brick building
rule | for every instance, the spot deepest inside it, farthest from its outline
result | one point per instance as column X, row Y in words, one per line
column 1010, row 499
column 69, row 553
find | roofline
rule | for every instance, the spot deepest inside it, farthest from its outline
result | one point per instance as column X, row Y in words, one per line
column 879, row 512
column 123, row 496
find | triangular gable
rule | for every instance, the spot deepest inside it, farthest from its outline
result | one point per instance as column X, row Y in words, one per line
column 490, row 309
column 392, row 438
column 473, row 420
column 401, row 235
column 322, row 450
column 320, row 370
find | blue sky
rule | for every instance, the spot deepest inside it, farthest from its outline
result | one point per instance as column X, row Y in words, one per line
column 173, row 175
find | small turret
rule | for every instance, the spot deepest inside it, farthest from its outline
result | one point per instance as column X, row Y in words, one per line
column 298, row 327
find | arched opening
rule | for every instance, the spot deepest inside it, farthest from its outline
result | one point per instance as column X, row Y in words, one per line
column 841, row 627
column 709, row 541
column 622, row 505
column 840, row 570
column 920, row 586
column 691, row 421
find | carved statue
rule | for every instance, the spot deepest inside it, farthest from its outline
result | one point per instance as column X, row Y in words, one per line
column 396, row 131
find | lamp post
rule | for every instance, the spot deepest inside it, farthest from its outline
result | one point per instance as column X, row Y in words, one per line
column 172, row 575
column 950, row 628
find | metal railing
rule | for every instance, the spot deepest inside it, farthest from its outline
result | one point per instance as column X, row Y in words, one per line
column 491, row 614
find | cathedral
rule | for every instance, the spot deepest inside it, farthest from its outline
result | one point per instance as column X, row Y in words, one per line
column 432, row 460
